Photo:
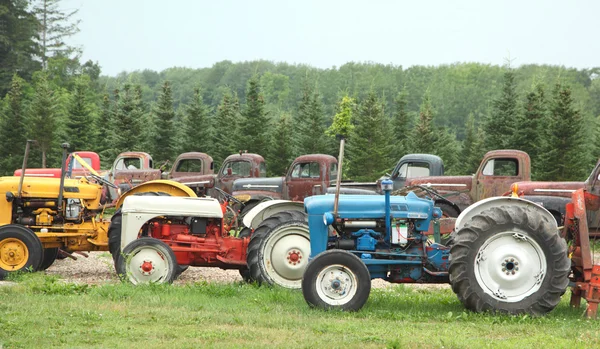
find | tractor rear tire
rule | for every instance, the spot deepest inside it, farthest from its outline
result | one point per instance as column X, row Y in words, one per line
column 511, row 260
column 336, row 279
column 50, row 255
column 245, row 272
column 279, row 249
column 20, row 250
column 148, row 260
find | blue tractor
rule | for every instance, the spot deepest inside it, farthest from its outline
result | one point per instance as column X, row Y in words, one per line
column 504, row 255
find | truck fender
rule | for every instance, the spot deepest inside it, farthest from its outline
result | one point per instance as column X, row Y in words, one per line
column 555, row 204
column 488, row 203
column 171, row 188
column 266, row 209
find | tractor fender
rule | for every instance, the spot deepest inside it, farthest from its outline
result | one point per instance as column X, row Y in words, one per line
column 488, row 203
column 171, row 188
column 268, row 208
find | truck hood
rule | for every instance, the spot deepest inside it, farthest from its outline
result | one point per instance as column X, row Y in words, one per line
column 206, row 181
column 445, row 183
column 272, row 184
column 561, row 189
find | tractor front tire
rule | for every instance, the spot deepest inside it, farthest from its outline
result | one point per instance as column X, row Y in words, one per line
column 511, row 260
column 148, row 260
column 336, row 279
column 279, row 249
column 20, row 250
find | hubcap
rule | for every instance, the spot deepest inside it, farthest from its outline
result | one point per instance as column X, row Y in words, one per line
column 13, row 254
column 336, row 285
column 286, row 255
column 147, row 264
column 510, row 266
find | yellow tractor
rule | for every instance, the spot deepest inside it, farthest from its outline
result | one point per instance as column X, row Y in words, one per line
column 39, row 216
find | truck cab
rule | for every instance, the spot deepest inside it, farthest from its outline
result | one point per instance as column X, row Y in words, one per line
column 196, row 170
column 307, row 175
column 90, row 157
column 132, row 168
column 496, row 173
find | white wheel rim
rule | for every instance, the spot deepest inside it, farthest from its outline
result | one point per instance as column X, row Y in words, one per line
column 147, row 264
column 286, row 255
column 336, row 285
column 510, row 266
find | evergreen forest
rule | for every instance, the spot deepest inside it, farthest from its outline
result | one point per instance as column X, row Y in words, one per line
column 280, row 110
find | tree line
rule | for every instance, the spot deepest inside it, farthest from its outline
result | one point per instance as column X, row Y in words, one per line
column 281, row 110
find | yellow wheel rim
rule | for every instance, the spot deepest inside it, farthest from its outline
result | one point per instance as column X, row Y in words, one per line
column 14, row 254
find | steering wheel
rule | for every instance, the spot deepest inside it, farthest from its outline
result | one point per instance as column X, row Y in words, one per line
column 228, row 196
column 103, row 181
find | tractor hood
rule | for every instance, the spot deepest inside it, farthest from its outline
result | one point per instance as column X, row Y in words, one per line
column 372, row 206
column 272, row 184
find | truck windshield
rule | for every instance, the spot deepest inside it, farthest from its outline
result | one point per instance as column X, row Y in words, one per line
column 306, row 170
column 501, row 167
column 413, row 169
column 238, row 168
column 263, row 169
column 189, row 165
column 129, row 164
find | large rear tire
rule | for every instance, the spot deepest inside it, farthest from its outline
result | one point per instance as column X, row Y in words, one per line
column 279, row 249
column 20, row 250
column 148, row 260
column 510, row 260
column 336, row 279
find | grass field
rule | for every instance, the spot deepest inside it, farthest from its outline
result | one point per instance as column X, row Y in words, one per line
column 43, row 311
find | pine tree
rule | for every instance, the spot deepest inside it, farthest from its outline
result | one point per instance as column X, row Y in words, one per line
column 197, row 126
column 111, row 114
column 564, row 154
column 18, row 49
column 423, row 132
column 310, row 120
column 401, row 126
column 469, row 147
column 55, row 26
column 499, row 126
column 369, row 144
column 255, row 123
column 342, row 126
column 102, row 126
column 446, row 147
column 226, row 135
column 127, row 121
column 42, row 118
column 12, row 128
column 281, row 150
column 529, row 126
column 164, row 143
column 80, row 121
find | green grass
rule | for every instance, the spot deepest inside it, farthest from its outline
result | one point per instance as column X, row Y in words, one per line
column 43, row 310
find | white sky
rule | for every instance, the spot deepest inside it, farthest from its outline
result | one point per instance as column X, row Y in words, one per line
column 126, row 35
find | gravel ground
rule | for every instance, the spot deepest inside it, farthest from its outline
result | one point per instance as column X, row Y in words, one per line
column 98, row 269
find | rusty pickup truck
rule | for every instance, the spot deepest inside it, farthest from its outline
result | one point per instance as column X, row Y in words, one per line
column 498, row 170
column 197, row 172
column 308, row 175
column 555, row 195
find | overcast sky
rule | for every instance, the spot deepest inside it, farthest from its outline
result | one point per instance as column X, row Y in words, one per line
column 126, row 35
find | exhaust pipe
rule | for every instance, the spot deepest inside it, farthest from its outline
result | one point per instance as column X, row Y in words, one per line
column 27, row 147
column 63, row 169
column 339, row 178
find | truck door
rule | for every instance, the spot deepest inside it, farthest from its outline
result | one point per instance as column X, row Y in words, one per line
column 301, row 179
column 496, row 177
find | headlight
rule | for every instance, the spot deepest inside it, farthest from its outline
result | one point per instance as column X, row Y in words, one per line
column 328, row 218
